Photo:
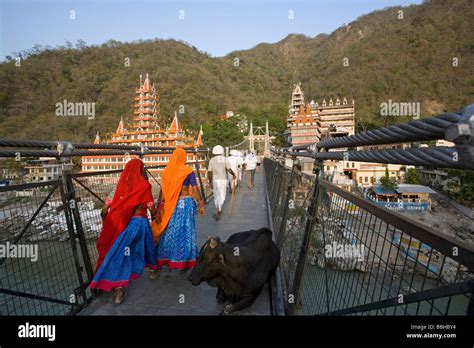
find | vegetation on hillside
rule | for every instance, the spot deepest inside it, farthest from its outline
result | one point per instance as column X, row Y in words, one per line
column 409, row 59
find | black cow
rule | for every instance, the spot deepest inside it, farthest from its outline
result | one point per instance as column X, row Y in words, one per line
column 239, row 267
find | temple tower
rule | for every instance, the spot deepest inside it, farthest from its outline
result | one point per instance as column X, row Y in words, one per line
column 297, row 99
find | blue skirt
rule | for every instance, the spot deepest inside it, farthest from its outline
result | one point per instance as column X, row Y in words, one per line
column 177, row 245
column 132, row 251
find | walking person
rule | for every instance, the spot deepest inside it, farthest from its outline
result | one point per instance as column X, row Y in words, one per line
column 174, row 229
column 259, row 162
column 250, row 167
column 233, row 162
column 240, row 156
column 125, row 244
column 217, row 175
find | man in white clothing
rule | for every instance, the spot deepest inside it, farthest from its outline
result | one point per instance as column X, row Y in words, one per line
column 217, row 173
column 233, row 162
column 241, row 157
column 250, row 166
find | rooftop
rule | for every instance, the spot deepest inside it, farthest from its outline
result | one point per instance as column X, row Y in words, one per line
column 402, row 188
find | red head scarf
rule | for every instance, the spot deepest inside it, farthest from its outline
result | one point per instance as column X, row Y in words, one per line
column 171, row 183
column 132, row 190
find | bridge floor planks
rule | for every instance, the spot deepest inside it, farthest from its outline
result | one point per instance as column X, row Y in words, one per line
column 162, row 296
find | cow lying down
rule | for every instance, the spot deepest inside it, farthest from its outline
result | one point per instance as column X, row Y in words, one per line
column 239, row 267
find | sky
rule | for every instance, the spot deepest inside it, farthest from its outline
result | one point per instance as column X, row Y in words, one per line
column 215, row 26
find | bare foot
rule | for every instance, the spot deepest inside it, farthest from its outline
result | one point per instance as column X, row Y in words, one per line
column 119, row 295
column 154, row 273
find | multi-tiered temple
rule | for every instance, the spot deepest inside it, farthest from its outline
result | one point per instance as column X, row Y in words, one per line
column 146, row 130
column 309, row 123
column 313, row 122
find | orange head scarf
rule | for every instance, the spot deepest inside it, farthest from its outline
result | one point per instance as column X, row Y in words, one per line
column 171, row 184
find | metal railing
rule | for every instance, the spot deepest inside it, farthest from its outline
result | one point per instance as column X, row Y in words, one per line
column 35, row 224
column 342, row 254
column 345, row 255
column 60, row 221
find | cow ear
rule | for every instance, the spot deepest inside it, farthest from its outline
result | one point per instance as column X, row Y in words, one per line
column 221, row 259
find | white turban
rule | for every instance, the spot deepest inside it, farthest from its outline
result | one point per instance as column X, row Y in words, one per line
column 217, row 150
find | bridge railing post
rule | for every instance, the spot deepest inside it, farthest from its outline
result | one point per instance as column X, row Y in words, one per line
column 80, row 291
column 286, row 202
column 303, row 252
column 80, row 235
column 278, row 199
column 273, row 190
column 198, row 171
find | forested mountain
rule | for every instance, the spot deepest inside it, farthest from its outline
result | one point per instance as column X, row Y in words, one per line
column 409, row 59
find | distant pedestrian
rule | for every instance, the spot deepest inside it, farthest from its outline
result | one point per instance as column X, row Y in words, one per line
column 233, row 162
column 217, row 174
column 259, row 162
column 241, row 157
column 250, row 167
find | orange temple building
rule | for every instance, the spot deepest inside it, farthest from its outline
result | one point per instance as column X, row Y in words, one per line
column 312, row 122
column 146, row 131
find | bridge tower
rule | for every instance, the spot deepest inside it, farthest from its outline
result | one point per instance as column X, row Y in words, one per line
column 251, row 138
column 266, row 152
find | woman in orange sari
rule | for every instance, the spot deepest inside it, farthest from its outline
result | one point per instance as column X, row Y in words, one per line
column 174, row 228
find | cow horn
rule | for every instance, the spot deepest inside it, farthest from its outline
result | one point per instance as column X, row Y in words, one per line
column 213, row 243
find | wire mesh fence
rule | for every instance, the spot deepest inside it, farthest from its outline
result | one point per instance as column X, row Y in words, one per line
column 56, row 225
column 39, row 269
column 289, row 198
column 358, row 258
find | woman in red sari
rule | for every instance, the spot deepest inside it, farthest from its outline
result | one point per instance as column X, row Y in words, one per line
column 126, row 244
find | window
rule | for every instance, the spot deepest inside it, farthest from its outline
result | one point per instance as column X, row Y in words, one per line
column 366, row 179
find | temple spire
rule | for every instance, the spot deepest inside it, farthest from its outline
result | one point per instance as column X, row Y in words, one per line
column 297, row 99
column 97, row 138
column 174, row 127
column 199, row 141
column 146, row 84
column 120, row 128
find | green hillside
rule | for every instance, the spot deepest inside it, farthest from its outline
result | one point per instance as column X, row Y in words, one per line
column 407, row 59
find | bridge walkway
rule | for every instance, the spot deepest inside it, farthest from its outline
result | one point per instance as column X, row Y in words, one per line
column 171, row 293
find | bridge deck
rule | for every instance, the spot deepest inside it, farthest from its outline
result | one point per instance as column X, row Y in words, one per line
column 162, row 296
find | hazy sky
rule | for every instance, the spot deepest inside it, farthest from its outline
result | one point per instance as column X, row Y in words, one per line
column 215, row 26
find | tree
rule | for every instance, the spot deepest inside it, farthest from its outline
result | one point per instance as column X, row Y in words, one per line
column 221, row 132
column 388, row 183
column 463, row 193
column 412, row 176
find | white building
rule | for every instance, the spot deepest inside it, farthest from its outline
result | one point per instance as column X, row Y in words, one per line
column 45, row 169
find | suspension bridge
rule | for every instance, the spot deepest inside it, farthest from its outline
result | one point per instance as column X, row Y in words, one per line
column 406, row 268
